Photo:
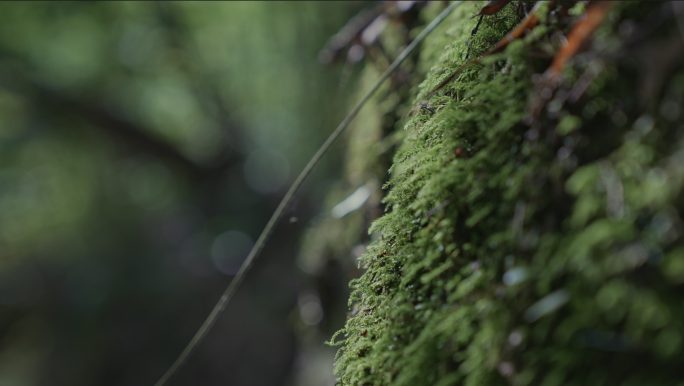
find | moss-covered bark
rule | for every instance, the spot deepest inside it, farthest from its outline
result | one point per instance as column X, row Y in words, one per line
column 532, row 249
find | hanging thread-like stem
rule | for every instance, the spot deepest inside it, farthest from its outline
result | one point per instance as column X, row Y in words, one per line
column 266, row 233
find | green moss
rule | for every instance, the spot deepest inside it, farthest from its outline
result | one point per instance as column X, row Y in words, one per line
column 510, row 254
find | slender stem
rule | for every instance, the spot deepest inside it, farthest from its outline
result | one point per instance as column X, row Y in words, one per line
column 473, row 34
column 254, row 253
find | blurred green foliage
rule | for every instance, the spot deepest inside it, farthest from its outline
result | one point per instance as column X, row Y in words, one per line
column 132, row 136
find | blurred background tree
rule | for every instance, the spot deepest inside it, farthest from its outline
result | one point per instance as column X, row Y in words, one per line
column 144, row 146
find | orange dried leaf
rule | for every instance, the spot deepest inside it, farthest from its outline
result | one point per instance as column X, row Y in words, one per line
column 579, row 35
column 527, row 24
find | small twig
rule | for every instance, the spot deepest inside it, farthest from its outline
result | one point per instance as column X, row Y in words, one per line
column 427, row 107
column 345, row 36
column 515, row 34
column 437, row 208
column 473, row 34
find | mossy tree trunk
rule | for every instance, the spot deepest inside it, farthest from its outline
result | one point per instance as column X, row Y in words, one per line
column 526, row 245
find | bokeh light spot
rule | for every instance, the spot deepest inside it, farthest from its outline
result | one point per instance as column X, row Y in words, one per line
column 229, row 250
column 152, row 186
column 266, row 170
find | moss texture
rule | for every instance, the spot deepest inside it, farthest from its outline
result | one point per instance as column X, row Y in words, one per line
column 526, row 250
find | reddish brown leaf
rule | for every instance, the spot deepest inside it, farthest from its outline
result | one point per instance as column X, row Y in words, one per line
column 528, row 23
column 492, row 7
column 579, row 35
column 460, row 153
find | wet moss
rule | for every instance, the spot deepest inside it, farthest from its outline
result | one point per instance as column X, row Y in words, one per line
column 542, row 253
